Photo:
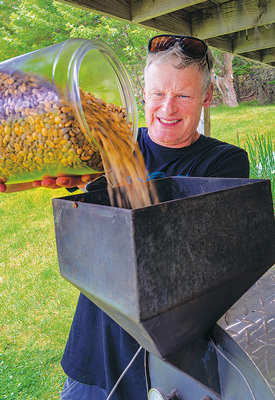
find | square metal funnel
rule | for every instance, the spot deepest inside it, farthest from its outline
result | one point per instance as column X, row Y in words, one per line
column 166, row 273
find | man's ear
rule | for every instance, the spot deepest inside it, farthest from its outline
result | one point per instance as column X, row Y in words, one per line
column 144, row 95
column 208, row 97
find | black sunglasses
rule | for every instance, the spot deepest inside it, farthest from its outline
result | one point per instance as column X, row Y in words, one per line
column 190, row 46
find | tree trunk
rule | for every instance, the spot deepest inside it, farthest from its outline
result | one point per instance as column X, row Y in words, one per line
column 231, row 99
column 273, row 79
column 137, row 85
column 255, row 87
column 218, row 97
column 237, row 90
column 225, row 82
column 269, row 93
column 260, row 91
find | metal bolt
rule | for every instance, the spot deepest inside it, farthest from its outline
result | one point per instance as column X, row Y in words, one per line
column 174, row 395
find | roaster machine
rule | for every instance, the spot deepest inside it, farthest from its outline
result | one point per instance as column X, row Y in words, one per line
column 191, row 278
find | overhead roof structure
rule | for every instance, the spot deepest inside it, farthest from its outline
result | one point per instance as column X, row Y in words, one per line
column 245, row 28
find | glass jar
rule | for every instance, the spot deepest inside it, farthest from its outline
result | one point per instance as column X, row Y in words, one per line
column 43, row 130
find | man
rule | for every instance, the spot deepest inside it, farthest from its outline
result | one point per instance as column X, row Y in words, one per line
column 177, row 87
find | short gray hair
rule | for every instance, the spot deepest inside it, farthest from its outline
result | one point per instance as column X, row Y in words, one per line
column 175, row 53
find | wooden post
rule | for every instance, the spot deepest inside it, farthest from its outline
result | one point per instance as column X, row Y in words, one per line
column 207, row 122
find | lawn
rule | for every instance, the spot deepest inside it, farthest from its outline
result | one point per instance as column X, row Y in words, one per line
column 37, row 304
column 246, row 119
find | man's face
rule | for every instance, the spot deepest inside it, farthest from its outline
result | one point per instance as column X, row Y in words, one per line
column 173, row 103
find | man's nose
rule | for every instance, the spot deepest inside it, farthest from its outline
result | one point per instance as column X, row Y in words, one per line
column 169, row 104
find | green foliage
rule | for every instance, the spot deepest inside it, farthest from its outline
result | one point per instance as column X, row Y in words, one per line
column 261, row 152
column 29, row 25
column 248, row 126
column 242, row 66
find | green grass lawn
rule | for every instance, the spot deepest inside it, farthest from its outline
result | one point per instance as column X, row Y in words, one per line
column 37, row 304
column 246, row 119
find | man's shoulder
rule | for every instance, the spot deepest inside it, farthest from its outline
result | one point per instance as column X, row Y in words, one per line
column 143, row 137
column 142, row 129
column 142, row 132
column 224, row 159
column 214, row 146
column 207, row 141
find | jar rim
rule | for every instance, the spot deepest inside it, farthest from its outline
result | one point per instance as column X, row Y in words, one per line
column 123, row 80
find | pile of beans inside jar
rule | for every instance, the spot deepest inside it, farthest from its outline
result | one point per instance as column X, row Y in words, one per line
column 39, row 132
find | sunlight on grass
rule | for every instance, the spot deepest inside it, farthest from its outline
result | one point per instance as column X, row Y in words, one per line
column 243, row 120
column 37, row 304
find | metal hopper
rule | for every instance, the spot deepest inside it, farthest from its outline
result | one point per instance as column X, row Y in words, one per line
column 166, row 273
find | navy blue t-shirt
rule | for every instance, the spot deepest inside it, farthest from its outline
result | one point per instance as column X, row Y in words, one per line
column 206, row 157
column 98, row 349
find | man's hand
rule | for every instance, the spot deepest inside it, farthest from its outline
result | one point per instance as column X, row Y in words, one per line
column 49, row 182
column 65, row 181
column 2, row 185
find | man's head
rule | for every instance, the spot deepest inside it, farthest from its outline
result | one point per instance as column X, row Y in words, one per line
column 177, row 86
column 186, row 51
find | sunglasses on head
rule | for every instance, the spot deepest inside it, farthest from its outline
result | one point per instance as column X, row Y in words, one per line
column 190, row 46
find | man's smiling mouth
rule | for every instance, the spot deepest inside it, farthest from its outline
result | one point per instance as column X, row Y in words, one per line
column 165, row 121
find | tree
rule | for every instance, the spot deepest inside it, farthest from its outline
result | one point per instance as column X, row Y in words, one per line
column 224, row 82
column 29, row 25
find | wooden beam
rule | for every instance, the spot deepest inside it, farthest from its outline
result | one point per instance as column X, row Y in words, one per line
column 247, row 19
column 174, row 23
column 143, row 10
column 263, row 57
column 268, row 55
column 254, row 56
column 119, row 9
column 233, row 16
column 178, row 23
column 221, row 43
column 254, row 39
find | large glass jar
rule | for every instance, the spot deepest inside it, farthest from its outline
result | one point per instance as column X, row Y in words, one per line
column 43, row 130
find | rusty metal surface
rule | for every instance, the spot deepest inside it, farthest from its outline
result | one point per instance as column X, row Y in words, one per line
column 167, row 272
column 251, row 324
